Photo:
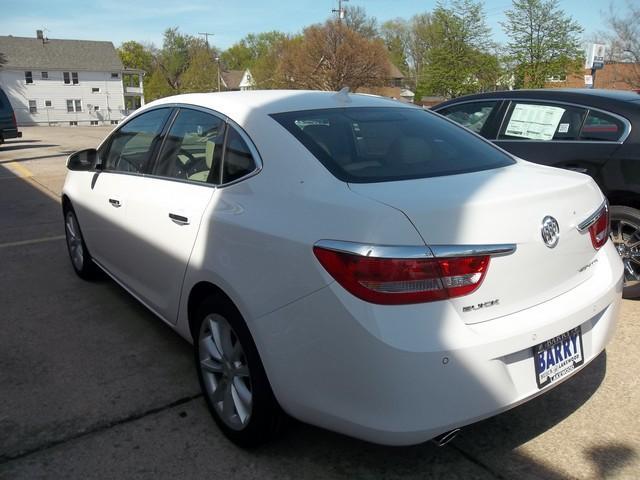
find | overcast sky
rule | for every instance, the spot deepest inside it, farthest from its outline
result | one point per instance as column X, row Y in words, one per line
column 145, row 20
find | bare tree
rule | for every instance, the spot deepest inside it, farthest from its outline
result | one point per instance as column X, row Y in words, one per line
column 356, row 18
column 333, row 56
column 623, row 38
column 3, row 59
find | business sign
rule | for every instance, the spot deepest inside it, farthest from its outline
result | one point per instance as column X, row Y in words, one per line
column 595, row 56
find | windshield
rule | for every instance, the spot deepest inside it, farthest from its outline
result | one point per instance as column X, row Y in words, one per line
column 379, row 144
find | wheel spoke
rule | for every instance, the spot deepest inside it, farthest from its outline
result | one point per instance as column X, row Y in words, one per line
column 211, row 366
column 207, row 344
column 228, row 405
column 214, row 327
column 218, row 394
column 226, row 345
column 241, row 371
column 241, row 404
column 243, row 391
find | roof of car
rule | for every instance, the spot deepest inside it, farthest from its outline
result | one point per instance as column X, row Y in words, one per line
column 239, row 106
column 601, row 98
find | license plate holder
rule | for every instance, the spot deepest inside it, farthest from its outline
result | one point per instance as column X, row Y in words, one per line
column 557, row 357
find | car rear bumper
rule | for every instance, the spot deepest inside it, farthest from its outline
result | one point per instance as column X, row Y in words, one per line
column 400, row 375
column 11, row 133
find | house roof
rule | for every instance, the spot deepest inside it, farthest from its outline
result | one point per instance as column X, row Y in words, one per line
column 232, row 78
column 54, row 54
column 394, row 72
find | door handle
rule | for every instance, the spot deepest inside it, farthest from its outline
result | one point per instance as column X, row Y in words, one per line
column 115, row 203
column 179, row 219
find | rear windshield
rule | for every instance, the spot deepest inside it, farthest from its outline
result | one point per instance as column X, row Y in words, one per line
column 374, row 144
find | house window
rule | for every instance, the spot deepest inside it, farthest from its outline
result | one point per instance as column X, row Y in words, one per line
column 66, row 77
column 94, row 123
column 95, row 89
column 74, row 78
column 33, row 108
column 74, row 106
column 28, row 77
column 47, row 103
column 115, row 75
column 44, row 75
column 96, row 107
column 73, row 123
column 114, row 122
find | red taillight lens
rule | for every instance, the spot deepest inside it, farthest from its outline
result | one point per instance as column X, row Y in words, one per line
column 599, row 231
column 393, row 281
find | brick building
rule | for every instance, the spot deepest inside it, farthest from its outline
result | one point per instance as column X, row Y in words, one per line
column 614, row 75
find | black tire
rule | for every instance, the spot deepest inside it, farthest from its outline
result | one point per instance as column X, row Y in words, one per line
column 629, row 220
column 79, row 255
column 266, row 418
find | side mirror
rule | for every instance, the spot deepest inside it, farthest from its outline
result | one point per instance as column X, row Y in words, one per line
column 83, row 160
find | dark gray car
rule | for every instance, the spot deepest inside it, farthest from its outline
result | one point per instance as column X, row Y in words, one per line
column 8, row 126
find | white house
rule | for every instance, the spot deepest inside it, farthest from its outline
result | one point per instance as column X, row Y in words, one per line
column 237, row 80
column 67, row 82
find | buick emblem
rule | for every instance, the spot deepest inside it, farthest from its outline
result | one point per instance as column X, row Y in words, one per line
column 550, row 231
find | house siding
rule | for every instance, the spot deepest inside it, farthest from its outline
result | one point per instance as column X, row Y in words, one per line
column 110, row 98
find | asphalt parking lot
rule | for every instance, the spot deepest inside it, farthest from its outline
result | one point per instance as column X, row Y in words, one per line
column 94, row 386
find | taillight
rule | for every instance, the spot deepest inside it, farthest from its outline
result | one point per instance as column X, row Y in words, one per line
column 599, row 230
column 394, row 281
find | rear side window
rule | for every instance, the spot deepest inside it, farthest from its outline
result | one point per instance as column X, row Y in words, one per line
column 132, row 145
column 193, row 148
column 238, row 160
column 473, row 115
column 543, row 122
column 374, row 144
column 601, row 127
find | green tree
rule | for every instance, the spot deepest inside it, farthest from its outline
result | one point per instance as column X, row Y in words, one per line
column 543, row 42
column 458, row 59
column 202, row 73
column 156, row 86
column 173, row 59
column 259, row 53
column 135, row 55
column 395, row 34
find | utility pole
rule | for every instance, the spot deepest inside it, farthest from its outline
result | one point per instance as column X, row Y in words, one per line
column 340, row 10
column 206, row 36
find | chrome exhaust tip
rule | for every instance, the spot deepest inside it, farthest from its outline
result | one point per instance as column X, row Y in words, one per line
column 444, row 438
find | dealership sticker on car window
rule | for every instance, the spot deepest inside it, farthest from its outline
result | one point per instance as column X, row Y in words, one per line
column 558, row 356
column 535, row 122
column 563, row 128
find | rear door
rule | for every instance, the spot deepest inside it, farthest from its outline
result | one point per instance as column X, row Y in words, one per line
column 558, row 135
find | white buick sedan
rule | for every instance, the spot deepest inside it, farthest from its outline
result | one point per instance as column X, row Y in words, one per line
column 351, row 261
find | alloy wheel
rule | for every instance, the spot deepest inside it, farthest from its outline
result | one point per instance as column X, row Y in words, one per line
column 74, row 240
column 626, row 238
column 225, row 371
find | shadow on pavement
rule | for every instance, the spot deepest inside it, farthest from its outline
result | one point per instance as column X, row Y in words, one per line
column 7, row 147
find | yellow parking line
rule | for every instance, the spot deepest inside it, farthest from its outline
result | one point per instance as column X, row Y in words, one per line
column 21, row 170
column 32, row 241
